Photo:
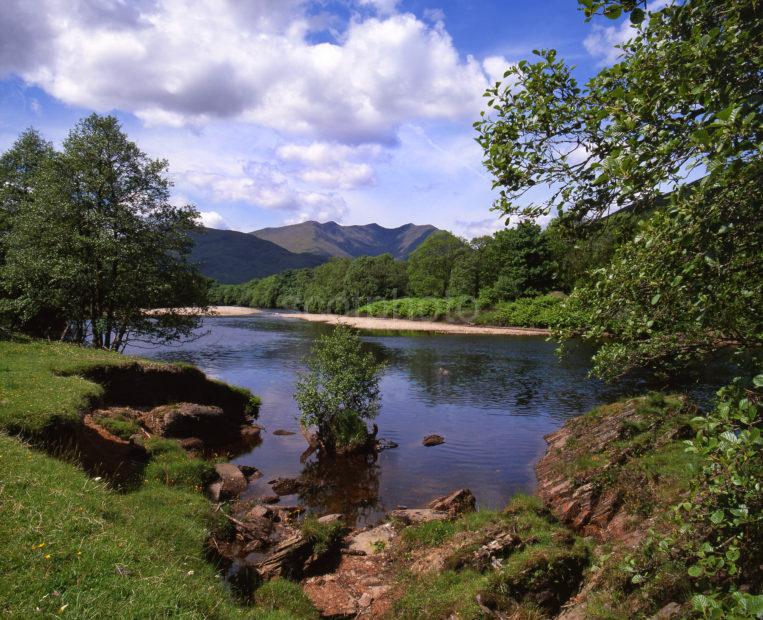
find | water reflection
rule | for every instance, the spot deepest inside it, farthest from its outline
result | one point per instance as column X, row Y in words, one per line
column 492, row 398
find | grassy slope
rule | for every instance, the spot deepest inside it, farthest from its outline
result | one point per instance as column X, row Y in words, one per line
column 69, row 545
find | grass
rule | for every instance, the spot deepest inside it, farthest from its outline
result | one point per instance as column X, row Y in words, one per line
column 323, row 535
column 118, row 425
column 40, row 386
column 72, row 546
column 550, row 558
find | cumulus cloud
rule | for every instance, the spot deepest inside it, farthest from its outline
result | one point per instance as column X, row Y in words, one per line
column 180, row 62
column 478, row 228
column 264, row 185
column 603, row 41
column 212, row 219
column 331, row 165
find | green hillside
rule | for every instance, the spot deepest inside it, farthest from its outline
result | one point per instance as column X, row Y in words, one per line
column 332, row 239
column 231, row 257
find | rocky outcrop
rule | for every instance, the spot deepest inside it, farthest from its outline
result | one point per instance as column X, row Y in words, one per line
column 455, row 503
column 413, row 516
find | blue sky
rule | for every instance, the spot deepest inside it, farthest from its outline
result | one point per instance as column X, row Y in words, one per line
column 277, row 111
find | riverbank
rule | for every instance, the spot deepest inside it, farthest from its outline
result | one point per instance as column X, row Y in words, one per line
column 365, row 322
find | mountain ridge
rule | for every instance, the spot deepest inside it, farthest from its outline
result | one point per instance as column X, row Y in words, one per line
column 331, row 239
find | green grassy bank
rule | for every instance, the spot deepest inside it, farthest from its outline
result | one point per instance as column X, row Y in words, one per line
column 70, row 545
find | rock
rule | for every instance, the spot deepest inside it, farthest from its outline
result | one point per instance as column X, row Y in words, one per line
column 270, row 499
column 412, row 516
column 231, row 483
column 668, row 612
column 332, row 518
column 283, row 433
column 385, row 444
column 493, row 552
column 251, row 473
column 456, row 503
column 260, row 511
column 192, row 420
column 288, row 558
column 365, row 600
column 250, row 433
column 433, row 440
column 193, row 444
column 286, row 486
column 373, row 540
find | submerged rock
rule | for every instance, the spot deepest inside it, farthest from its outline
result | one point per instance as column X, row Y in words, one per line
column 286, row 486
column 433, row 440
column 283, row 433
column 251, row 472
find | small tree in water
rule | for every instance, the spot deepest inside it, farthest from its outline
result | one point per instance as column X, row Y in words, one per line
column 341, row 391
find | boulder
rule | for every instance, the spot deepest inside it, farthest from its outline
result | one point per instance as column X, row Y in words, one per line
column 231, row 482
column 260, row 511
column 433, row 440
column 412, row 516
column 283, row 433
column 368, row 542
column 184, row 420
column 456, row 503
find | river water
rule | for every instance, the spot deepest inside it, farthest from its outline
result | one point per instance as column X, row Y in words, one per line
column 493, row 398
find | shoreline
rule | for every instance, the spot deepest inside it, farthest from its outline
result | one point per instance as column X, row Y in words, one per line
column 363, row 322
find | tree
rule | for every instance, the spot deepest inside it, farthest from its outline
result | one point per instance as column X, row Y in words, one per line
column 683, row 102
column 97, row 242
column 375, row 277
column 517, row 262
column 341, row 391
column 430, row 264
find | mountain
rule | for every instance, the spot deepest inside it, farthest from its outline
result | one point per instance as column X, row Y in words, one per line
column 231, row 257
column 331, row 239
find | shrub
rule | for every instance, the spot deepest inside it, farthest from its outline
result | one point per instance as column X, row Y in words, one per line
column 341, row 391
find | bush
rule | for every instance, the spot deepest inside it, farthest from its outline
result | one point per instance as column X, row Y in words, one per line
column 341, row 391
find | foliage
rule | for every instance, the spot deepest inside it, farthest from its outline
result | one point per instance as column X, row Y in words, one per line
column 431, row 264
column 341, row 391
column 691, row 282
column 709, row 546
column 683, row 101
column 517, row 262
column 95, row 241
column 543, row 311
column 431, row 308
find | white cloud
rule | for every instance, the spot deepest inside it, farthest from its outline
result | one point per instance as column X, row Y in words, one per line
column 331, row 165
column 495, row 67
column 178, row 62
column 478, row 228
column 212, row 219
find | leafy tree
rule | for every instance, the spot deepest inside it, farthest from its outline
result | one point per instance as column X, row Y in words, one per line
column 685, row 98
column 430, row 265
column 375, row 277
column 341, row 391
column 96, row 242
column 517, row 263
column 465, row 276
column 325, row 291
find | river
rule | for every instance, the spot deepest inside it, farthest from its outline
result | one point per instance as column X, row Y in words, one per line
column 493, row 398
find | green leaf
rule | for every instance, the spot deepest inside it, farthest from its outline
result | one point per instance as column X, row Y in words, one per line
column 717, row 517
column 637, row 16
column 695, row 570
column 656, row 298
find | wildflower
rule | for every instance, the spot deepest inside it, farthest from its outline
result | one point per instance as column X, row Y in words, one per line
column 47, row 556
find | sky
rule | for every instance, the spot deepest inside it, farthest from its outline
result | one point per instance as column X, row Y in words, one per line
column 280, row 111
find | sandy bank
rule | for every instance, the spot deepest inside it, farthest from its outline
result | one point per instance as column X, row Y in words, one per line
column 363, row 322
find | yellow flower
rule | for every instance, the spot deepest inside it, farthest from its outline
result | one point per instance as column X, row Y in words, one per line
column 47, row 556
